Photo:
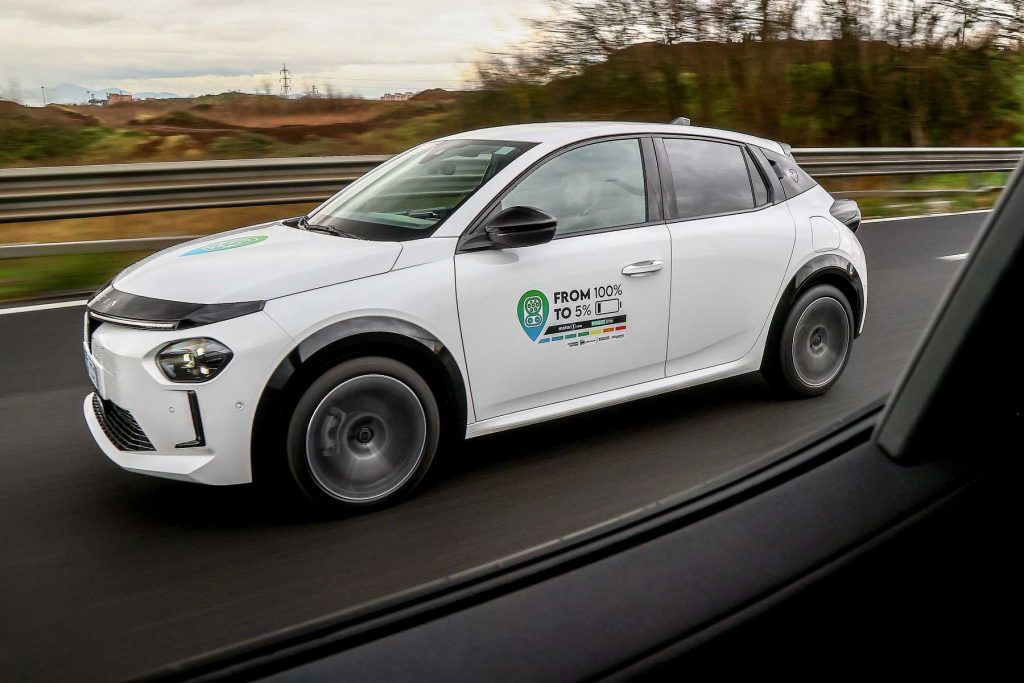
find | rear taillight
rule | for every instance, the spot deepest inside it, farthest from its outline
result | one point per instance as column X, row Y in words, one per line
column 847, row 211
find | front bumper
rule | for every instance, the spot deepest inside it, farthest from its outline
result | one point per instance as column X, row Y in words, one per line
column 198, row 432
column 171, row 466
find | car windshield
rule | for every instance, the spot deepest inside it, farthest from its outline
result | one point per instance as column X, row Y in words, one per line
column 412, row 195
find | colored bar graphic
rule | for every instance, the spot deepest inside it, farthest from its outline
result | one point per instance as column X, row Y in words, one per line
column 545, row 340
column 620, row 327
column 608, row 329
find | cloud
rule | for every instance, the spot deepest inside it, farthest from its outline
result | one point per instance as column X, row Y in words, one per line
column 59, row 14
column 378, row 45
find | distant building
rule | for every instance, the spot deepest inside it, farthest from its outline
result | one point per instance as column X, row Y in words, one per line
column 397, row 96
column 115, row 97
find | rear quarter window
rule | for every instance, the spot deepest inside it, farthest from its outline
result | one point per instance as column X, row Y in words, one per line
column 794, row 179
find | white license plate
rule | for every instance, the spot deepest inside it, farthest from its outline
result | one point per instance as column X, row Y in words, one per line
column 94, row 373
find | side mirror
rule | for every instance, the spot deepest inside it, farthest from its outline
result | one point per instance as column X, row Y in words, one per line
column 847, row 212
column 521, row 226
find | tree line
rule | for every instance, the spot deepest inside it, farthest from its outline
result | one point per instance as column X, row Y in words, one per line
column 814, row 72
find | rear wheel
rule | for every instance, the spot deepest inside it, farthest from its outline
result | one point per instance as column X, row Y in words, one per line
column 363, row 434
column 814, row 344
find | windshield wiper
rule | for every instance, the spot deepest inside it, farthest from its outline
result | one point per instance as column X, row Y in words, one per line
column 329, row 229
column 426, row 214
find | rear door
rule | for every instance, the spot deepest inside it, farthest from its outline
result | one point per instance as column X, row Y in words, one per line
column 584, row 313
column 731, row 246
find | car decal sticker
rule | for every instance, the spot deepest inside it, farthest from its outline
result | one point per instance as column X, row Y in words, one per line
column 233, row 243
column 574, row 315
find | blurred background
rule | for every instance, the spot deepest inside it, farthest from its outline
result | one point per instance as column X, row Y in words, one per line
column 113, row 83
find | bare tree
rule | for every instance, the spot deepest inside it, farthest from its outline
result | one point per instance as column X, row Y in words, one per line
column 1010, row 17
column 846, row 19
column 582, row 33
column 726, row 21
column 908, row 23
column 1002, row 20
column 785, row 16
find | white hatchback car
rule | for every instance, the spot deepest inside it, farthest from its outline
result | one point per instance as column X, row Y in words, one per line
column 472, row 284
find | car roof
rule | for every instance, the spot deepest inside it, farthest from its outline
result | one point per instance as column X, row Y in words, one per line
column 566, row 132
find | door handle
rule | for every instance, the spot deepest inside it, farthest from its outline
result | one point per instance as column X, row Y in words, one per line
column 643, row 267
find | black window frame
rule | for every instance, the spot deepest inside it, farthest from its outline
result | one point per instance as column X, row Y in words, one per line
column 671, row 209
column 754, row 167
column 653, row 186
column 768, row 172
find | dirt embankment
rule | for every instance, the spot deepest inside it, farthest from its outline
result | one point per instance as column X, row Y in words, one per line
column 231, row 125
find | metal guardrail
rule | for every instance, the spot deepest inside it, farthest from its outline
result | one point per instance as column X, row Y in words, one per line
column 905, row 161
column 35, row 194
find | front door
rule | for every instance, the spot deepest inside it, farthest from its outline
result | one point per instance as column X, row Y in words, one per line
column 584, row 313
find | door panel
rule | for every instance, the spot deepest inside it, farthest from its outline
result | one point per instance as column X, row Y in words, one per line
column 726, row 274
column 729, row 256
column 560, row 320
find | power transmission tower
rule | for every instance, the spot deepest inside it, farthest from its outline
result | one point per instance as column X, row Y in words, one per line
column 286, row 81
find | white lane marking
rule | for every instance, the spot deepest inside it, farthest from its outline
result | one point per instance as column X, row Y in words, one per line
column 953, row 257
column 924, row 215
column 43, row 307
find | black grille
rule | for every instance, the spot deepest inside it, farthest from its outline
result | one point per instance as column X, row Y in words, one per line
column 120, row 427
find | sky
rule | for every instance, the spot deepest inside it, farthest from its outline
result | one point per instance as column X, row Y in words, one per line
column 193, row 47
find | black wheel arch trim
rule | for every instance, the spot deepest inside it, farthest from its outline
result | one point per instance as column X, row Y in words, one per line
column 370, row 335
column 820, row 268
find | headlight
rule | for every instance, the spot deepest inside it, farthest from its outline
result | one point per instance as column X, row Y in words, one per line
column 193, row 360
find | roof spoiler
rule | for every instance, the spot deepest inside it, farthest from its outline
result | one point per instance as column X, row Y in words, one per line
column 680, row 121
column 787, row 149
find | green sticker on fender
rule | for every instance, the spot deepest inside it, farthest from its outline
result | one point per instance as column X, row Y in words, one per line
column 224, row 245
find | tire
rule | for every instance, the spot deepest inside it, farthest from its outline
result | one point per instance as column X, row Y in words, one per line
column 813, row 345
column 364, row 434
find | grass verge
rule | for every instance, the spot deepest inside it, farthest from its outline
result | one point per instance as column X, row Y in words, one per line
column 38, row 276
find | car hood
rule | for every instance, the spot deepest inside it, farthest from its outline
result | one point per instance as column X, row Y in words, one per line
column 257, row 263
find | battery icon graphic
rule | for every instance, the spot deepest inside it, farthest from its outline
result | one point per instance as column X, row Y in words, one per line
column 608, row 306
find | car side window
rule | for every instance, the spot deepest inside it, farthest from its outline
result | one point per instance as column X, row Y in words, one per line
column 597, row 186
column 709, row 177
column 757, row 181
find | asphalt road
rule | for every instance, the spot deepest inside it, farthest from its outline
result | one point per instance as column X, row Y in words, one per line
column 106, row 574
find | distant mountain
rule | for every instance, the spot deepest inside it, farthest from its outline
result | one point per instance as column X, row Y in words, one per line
column 68, row 93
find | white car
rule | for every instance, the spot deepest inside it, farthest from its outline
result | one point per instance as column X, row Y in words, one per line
column 472, row 284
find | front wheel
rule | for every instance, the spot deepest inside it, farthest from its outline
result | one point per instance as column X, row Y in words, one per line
column 814, row 344
column 363, row 434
